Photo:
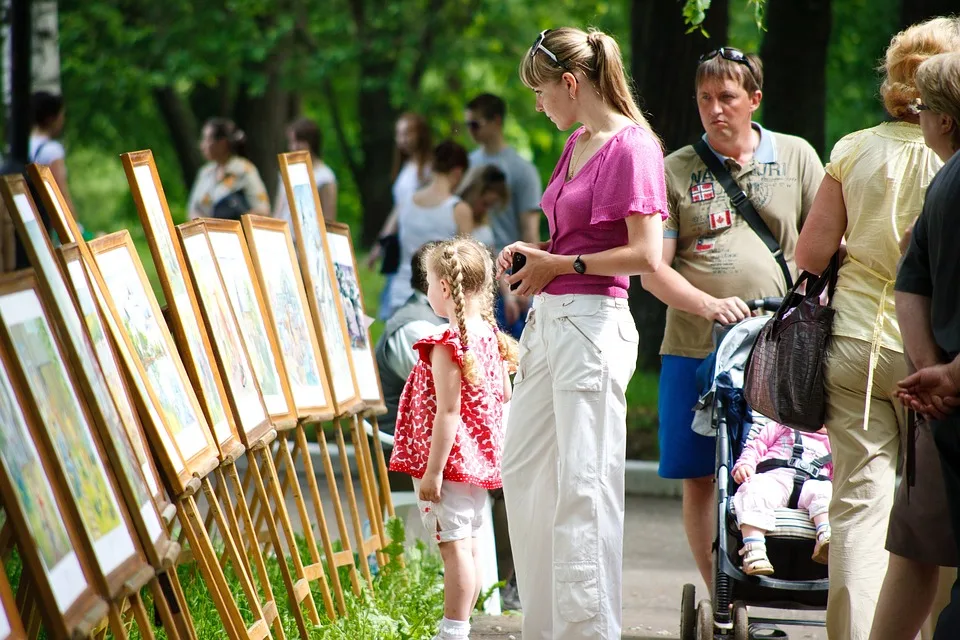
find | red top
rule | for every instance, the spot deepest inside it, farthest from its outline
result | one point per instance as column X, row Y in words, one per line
column 478, row 446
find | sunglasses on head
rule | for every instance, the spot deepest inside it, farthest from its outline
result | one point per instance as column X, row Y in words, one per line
column 538, row 46
column 919, row 106
column 731, row 54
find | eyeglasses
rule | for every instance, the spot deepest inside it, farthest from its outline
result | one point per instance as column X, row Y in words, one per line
column 731, row 54
column 538, row 46
column 473, row 125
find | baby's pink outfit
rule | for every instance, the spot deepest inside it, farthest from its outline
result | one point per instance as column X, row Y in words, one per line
column 761, row 493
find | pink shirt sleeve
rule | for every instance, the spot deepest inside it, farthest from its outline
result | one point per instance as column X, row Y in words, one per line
column 633, row 178
column 759, row 444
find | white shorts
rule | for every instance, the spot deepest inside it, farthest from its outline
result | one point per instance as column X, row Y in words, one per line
column 458, row 515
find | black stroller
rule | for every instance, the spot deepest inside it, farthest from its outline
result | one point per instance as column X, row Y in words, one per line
column 799, row 582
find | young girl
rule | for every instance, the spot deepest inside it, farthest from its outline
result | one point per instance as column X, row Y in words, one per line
column 449, row 433
column 770, row 451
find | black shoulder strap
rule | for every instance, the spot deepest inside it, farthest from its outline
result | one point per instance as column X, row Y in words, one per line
column 36, row 153
column 743, row 205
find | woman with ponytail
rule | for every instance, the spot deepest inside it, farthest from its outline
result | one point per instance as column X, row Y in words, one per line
column 229, row 185
column 563, row 460
column 449, row 433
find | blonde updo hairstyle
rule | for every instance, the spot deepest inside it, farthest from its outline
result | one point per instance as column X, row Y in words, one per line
column 907, row 51
column 938, row 81
column 468, row 268
column 596, row 56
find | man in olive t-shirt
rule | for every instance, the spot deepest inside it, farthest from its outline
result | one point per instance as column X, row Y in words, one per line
column 713, row 260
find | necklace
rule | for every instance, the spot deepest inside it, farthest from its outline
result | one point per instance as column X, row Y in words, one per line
column 576, row 156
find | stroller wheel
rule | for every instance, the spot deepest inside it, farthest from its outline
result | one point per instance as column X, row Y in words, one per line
column 688, row 613
column 705, row 629
column 741, row 622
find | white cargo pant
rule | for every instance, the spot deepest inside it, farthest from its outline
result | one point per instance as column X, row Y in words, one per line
column 563, row 465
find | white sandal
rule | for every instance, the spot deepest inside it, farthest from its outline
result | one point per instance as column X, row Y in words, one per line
column 755, row 561
column 821, row 552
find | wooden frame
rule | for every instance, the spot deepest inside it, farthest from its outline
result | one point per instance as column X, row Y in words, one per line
column 364, row 360
column 60, row 574
column 236, row 369
column 182, row 455
column 236, row 266
column 65, row 432
column 83, row 354
column 317, row 270
column 289, row 314
column 11, row 628
column 182, row 307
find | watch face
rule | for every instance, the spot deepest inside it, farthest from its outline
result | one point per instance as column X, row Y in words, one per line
column 579, row 266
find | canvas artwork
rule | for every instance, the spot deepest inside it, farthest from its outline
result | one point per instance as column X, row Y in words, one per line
column 101, row 345
column 136, row 314
column 364, row 360
column 236, row 366
column 60, row 409
column 122, row 433
column 334, row 341
column 239, row 284
column 282, row 294
column 35, row 498
column 191, row 326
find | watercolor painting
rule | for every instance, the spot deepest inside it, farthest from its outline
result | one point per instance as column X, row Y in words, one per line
column 33, row 490
column 225, row 332
column 283, row 297
column 350, row 300
column 334, row 341
column 142, row 326
column 243, row 298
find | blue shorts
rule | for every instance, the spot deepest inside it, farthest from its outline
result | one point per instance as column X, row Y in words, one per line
column 683, row 453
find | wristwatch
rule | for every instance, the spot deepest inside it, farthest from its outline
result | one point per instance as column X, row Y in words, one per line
column 579, row 266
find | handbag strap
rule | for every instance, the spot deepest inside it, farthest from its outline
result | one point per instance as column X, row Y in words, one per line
column 743, row 206
column 815, row 286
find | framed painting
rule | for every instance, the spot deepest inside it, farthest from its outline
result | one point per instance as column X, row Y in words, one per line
column 88, row 354
column 54, row 202
column 39, row 365
column 236, row 267
column 178, row 291
column 49, row 548
column 229, row 348
column 11, row 628
column 137, row 318
column 285, row 301
column 317, row 270
column 351, row 300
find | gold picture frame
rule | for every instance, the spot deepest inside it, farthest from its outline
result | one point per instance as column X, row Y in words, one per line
column 316, row 268
column 274, row 262
column 11, row 627
column 181, row 435
column 182, row 308
column 347, row 272
column 236, row 368
column 246, row 297
column 49, row 549
column 39, row 366
column 87, row 356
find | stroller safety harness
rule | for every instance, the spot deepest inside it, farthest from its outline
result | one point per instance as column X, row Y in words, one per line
column 803, row 470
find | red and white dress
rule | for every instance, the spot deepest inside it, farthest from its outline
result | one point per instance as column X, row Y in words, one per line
column 478, row 446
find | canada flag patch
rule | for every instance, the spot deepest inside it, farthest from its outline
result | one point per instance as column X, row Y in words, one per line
column 701, row 192
column 720, row 219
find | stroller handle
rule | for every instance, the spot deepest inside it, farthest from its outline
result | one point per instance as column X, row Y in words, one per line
column 766, row 304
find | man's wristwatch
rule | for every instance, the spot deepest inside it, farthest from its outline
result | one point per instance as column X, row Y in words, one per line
column 579, row 266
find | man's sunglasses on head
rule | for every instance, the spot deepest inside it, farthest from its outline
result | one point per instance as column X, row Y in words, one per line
column 731, row 54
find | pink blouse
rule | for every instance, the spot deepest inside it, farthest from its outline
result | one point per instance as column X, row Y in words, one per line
column 587, row 214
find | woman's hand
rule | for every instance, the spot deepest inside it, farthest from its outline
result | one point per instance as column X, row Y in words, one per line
column 430, row 487
column 540, row 269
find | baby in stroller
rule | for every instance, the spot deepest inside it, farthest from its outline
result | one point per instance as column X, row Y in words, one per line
column 781, row 467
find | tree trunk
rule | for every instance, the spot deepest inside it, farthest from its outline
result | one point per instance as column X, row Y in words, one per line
column 184, row 131
column 263, row 119
column 377, row 117
column 664, row 62
column 913, row 11
column 794, row 54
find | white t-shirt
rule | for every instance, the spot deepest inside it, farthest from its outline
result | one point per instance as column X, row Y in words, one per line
column 44, row 150
column 407, row 182
column 322, row 175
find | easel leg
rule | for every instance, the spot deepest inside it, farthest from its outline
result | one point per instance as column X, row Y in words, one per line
column 386, row 496
column 206, row 558
column 294, row 591
column 222, row 494
column 347, row 553
column 352, row 503
column 141, row 617
column 368, row 481
column 116, row 624
column 321, row 521
column 294, row 482
column 172, row 617
column 270, row 611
